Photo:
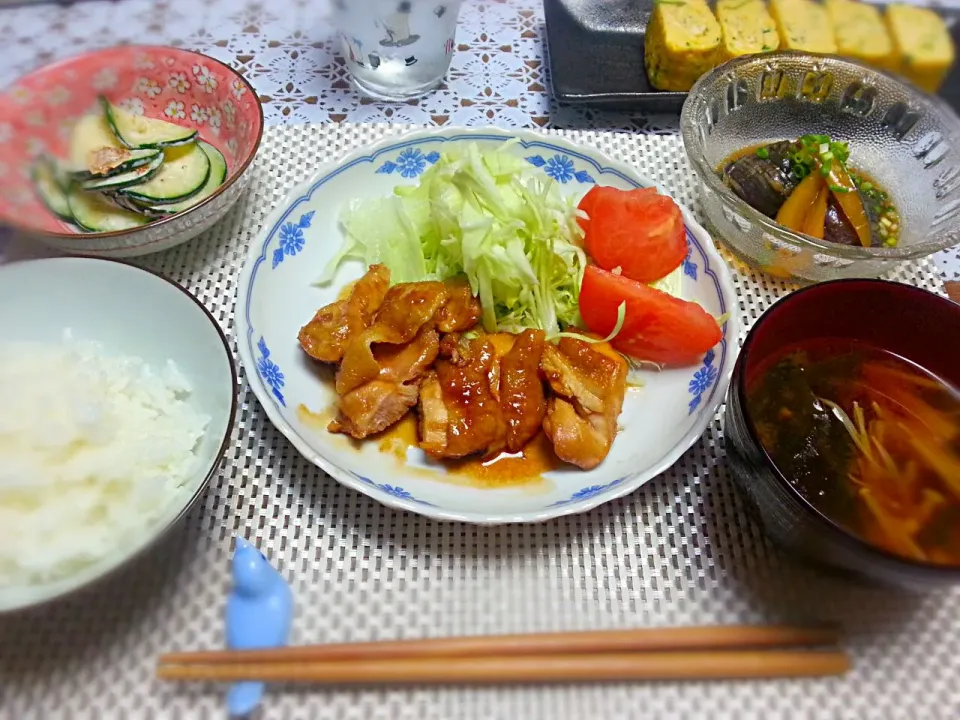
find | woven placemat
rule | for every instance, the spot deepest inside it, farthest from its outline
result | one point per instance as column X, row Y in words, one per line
column 681, row 550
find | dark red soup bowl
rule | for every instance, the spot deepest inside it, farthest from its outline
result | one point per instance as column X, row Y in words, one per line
column 916, row 325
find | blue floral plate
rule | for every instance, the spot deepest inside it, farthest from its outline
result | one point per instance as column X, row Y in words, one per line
column 277, row 295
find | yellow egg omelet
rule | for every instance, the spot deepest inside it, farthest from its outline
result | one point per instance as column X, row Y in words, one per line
column 682, row 43
column 803, row 25
column 861, row 33
column 923, row 43
column 746, row 28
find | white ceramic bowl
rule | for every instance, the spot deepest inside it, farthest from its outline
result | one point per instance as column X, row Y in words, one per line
column 188, row 88
column 131, row 312
column 277, row 295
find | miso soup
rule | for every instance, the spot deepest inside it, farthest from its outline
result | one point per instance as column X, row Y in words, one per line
column 869, row 439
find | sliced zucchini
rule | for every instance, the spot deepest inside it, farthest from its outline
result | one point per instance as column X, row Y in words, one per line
column 95, row 212
column 218, row 173
column 137, row 131
column 48, row 183
column 90, row 133
column 218, row 163
column 127, row 179
column 132, row 206
column 183, row 174
column 110, row 161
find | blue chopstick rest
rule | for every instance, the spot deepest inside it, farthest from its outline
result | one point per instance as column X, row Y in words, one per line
column 259, row 612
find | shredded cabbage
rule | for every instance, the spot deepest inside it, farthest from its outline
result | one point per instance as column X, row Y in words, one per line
column 671, row 284
column 492, row 217
column 486, row 214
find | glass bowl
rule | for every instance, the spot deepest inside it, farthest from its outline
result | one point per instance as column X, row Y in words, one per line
column 916, row 325
column 903, row 138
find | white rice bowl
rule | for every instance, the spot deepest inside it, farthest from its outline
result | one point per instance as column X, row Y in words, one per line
column 117, row 399
column 94, row 447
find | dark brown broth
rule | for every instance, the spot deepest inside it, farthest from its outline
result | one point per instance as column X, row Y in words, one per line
column 913, row 510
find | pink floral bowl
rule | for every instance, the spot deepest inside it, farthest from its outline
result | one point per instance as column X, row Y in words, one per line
column 38, row 111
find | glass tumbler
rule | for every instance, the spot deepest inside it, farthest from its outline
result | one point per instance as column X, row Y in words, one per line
column 396, row 49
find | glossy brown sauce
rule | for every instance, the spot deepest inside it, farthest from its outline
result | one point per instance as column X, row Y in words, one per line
column 502, row 342
column 316, row 420
column 505, row 470
column 737, row 154
column 399, row 438
column 536, row 458
column 347, row 290
column 525, row 468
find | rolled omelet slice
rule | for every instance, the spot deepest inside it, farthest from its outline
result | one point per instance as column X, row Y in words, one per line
column 803, row 25
column 746, row 28
column 861, row 33
column 923, row 44
column 682, row 42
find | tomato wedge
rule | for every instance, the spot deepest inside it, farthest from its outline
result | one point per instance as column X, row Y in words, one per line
column 638, row 231
column 603, row 195
column 657, row 327
column 600, row 194
column 586, row 204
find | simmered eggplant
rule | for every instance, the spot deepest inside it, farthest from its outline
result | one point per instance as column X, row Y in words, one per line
column 882, row 216
column 807, row 186
column 763, row 178
column 836, row 228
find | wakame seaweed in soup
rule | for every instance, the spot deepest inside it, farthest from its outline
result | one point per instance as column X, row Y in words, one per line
column 869, row 439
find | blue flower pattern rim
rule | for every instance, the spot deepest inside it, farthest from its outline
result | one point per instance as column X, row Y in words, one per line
column 703, row 379
column 561, row 168
column 394, row 490
column 410, row 163
column 589, row 492
column 292, row 238
column 284, row 237
column 270, row 372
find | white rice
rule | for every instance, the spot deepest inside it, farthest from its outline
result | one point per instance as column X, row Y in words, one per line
column 93, row 449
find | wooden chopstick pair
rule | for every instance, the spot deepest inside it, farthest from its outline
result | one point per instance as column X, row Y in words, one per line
column 695, row 653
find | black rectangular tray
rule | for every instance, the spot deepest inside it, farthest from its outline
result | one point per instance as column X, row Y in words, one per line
column 596, row 55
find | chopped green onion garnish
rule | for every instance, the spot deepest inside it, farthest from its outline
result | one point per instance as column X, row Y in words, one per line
column 825, row 170
column 839, row 189
column 763, row 153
